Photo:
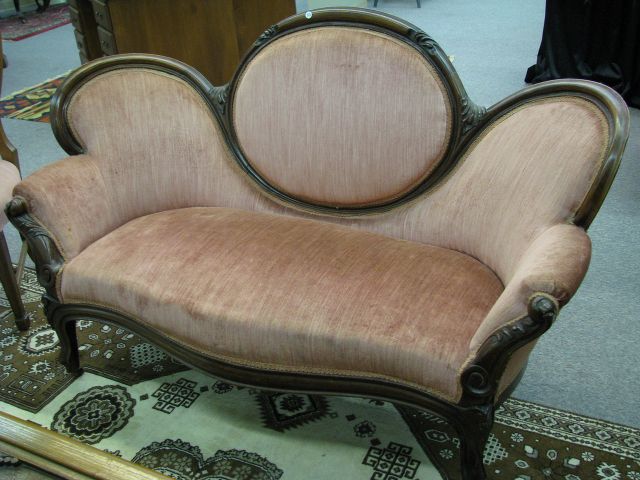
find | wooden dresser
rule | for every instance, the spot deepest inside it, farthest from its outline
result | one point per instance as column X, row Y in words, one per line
column 210, row 35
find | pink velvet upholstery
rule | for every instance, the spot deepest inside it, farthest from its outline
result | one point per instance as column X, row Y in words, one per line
column 555, row 263
column 9, row 178
column 300, row 294
column 526, row 172
column 132, row 171
column 368, row 139
column 154, row 145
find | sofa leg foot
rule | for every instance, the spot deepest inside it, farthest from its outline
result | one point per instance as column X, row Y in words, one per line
column 23, row 323
column 65, row 328
column 472, row 467
column 69, row 354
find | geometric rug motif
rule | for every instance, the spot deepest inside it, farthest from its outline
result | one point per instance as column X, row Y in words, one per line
column 30, row 374
column 282, row 411
column 530, row 442
column 14, row 28
column 182, row 461
column 391, row 463
column 31, row 103
column 95, row 414
column 174, row 395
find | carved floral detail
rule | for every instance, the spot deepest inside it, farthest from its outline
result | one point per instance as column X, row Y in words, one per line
column 266, row 35
column 42, row 248
column 471, row 114
column 480, row 379
column 220, row 96
column 423, row 40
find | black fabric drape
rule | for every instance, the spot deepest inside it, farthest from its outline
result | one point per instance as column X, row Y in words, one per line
column 592, row 39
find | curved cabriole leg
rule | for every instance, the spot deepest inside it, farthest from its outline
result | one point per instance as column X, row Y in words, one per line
column 481, row 379
column 472, row 425
column 473, row 428
column 69, row 355
column 65, row 328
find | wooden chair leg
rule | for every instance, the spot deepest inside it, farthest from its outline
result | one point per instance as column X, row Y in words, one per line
column 16, row 4
column 21, row 262
column 7, row 151
column 42, row 6
column 11, row 288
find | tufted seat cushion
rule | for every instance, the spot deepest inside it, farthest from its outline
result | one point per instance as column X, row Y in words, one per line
column 298, row 294
column 9, row 178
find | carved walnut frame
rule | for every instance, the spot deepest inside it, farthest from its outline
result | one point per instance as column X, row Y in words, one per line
column 472, row 416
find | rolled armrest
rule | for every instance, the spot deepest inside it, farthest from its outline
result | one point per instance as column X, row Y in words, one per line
column 554, row 264
column 69, row 198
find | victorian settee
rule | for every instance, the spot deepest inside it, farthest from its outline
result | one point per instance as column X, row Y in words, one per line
column 339, row 218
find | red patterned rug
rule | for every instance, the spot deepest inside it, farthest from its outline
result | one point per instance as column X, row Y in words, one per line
column 32, row 103
column 13, row 28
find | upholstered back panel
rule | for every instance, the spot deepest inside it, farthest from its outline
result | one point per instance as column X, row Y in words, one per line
column 341, row 116
column 527, row 171
column 156, row 145
column 159, row 147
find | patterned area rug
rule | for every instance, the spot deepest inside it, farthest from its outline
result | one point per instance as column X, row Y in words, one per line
column 34, row 23
column 30, row 375
column 135, row 402
column 32, row 103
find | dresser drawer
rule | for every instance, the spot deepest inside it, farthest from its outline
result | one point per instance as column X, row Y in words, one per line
column 101, row 14
column 80, row 41
column 107, row 41
column 75, row 18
